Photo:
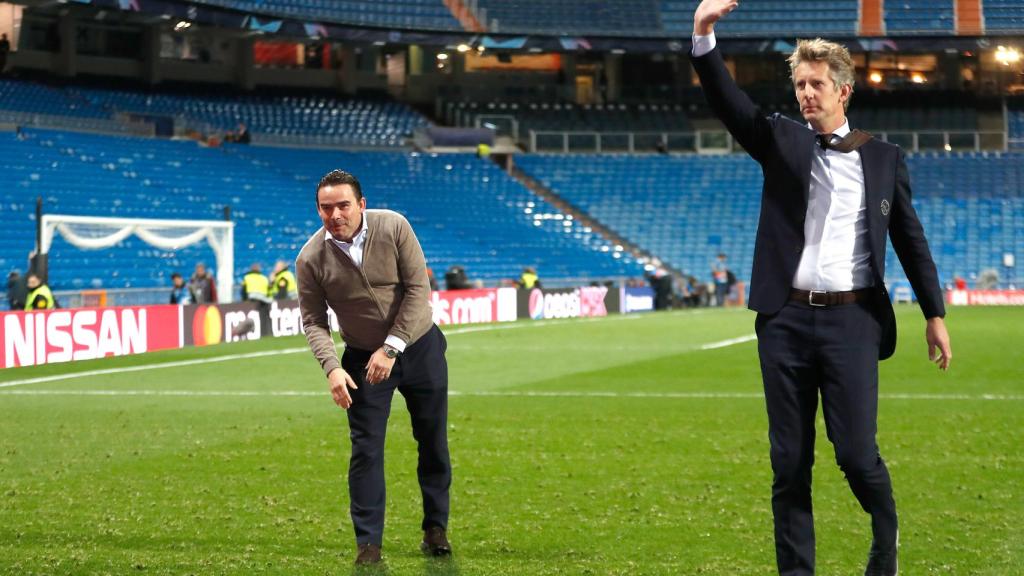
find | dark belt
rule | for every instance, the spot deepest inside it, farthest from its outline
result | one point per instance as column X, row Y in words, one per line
column 822, row 298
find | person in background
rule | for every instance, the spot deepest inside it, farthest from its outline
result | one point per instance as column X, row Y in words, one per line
column 5, row 48
column 17, row 292
column 282, row 282
column 255, row 286
column 180, row 293
column 720, row 274
column 455, row 279
column 661, row 283
column 529, row 279
column 202, row 286
column 39, row 295
column 240, row 136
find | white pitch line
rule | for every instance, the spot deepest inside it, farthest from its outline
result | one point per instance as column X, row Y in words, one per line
column 508, row 394
column 729, row 342
column 229, row 357
column 159, row 366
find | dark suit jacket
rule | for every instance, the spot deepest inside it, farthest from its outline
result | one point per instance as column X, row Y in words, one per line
column 784, row 149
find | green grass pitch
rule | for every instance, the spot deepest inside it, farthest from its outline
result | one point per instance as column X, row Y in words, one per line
column 614, row 446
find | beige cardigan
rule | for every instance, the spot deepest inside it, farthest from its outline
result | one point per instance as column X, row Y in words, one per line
column 390, row 294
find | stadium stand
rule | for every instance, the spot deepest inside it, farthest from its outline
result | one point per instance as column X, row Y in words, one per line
column 769, row 18
column 687, row 209
column 919, row 16
column 1003, row 15
column 639, row 18
column 604, row 17
column 408, row 14
column 31, row 97
column 465, row 210
column 1015, row 124
column 563, row 116
column 353, row 122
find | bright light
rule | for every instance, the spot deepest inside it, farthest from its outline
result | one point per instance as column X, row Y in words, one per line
column 875, row 77
column 463, row 48
column 948, row 148
column 182, row 25
column 918, row 78
column 480, row 48
column 1007, row 56
column 442, row 56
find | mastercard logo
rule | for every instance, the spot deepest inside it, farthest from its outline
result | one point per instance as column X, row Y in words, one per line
column 207, row 326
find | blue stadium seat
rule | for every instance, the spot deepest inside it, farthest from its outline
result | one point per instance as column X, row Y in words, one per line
column 465, row 210
column 408, row 14
column 687, row 209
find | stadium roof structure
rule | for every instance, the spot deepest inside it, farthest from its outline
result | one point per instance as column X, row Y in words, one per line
column 668, row 34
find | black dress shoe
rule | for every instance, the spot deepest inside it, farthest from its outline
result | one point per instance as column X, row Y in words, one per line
column 882, row 562
column 368, row 554
column 435, row 542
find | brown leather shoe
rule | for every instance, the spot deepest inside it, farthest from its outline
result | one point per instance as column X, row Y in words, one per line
column 368, row 554
column 435, row 542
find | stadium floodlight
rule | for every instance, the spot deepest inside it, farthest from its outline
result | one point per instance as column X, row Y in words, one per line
column 96, row 232
column 1007, row 56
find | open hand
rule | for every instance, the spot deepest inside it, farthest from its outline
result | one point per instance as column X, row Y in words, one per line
column 938, row 338
column 709, row 12
column 340, row 383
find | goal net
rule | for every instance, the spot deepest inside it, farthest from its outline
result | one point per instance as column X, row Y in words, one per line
column 95, row 233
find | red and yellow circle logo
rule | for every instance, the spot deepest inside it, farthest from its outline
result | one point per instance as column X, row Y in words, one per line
column 207, row 327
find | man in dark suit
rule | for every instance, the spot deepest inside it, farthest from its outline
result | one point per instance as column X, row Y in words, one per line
column 824, row 318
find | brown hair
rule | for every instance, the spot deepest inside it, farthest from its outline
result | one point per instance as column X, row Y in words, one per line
column 338, row 178
column 840, row 66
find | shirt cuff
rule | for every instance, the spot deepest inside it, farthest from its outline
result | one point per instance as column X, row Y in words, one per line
column 703, row 44
column 395, row 342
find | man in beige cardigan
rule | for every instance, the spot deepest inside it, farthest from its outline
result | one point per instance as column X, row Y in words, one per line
column 368, row 267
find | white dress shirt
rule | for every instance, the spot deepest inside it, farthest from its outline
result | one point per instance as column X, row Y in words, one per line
column 354, row 250
column 835, row 256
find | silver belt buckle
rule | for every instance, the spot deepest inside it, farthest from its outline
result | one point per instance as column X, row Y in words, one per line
column 810, row 297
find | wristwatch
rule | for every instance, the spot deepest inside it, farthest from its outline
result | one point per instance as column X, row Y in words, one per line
column 391, row 351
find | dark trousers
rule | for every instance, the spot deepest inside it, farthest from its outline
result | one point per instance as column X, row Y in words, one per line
column 421, row 375
column 833, row 351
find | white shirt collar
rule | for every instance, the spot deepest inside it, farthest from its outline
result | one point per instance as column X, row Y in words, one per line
column 840, row 132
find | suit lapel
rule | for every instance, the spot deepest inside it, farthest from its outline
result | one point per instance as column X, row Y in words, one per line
column 806, row 141
column 870, row 164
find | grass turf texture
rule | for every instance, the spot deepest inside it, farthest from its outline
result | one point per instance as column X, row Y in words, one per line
column 672, row 483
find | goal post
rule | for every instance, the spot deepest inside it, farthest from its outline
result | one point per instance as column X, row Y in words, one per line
column 98, row 232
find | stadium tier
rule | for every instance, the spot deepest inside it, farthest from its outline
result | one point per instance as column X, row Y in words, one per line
column 602, row 17
column 1003, row 15
column 34, row 98
column 563, row 116
column 414, row 14
column 769, row 18
column 638, row 18
column 916, row 16
column 466, row 211
column 341, row 121
column 1015, row 124
column 687, row 209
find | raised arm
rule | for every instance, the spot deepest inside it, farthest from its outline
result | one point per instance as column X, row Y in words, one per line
column 732, row 106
